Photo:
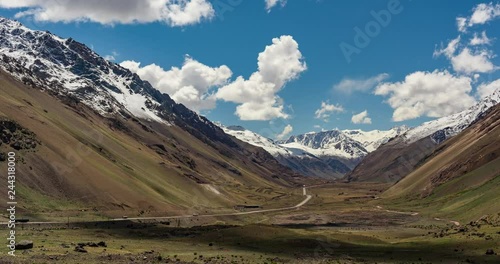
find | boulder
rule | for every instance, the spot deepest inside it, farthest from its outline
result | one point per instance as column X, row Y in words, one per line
column 80, row 249
column 24, row 244
column 92, row 244
column 102, row 244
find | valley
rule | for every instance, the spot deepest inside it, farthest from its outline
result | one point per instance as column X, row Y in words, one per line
column 340, row 224
column 109, row 169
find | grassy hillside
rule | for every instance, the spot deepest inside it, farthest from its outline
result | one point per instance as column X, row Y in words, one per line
column 121, row 165
column 462, row 177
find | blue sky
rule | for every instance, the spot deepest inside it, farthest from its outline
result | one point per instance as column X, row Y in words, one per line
column 406, row 59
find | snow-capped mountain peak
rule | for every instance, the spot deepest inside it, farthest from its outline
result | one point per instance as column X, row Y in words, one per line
column 325, row 154
column 327, row 143
column 346, row 144
column 448, row 126
column 371, row 140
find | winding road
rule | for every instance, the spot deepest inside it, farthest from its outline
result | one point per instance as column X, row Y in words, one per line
column 305, row 201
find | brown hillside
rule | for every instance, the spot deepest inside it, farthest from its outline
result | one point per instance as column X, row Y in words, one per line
column 462, row 177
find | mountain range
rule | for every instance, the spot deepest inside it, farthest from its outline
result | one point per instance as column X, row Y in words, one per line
column 95, row 133
column 326, row 154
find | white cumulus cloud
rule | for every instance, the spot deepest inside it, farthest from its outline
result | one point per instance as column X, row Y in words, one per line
column 486, row 89
column 257, row 97
column 112, row 56
column 361, row 118
column 481, row 14
column 468, row 61
column 462, row 24
column 286, row 132
column 191, row 85
column 272, row 3
column 484, row 13
column 326, row 110
column 432, row 94
column 350, row 85
column 171, row 12
column 480, row 39
column 450, row 49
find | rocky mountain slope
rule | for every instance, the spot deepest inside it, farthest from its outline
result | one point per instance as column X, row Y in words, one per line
column 110, row 140
column 403, row 154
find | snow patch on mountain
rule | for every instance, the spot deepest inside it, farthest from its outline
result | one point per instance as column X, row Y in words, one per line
column 255, row 139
